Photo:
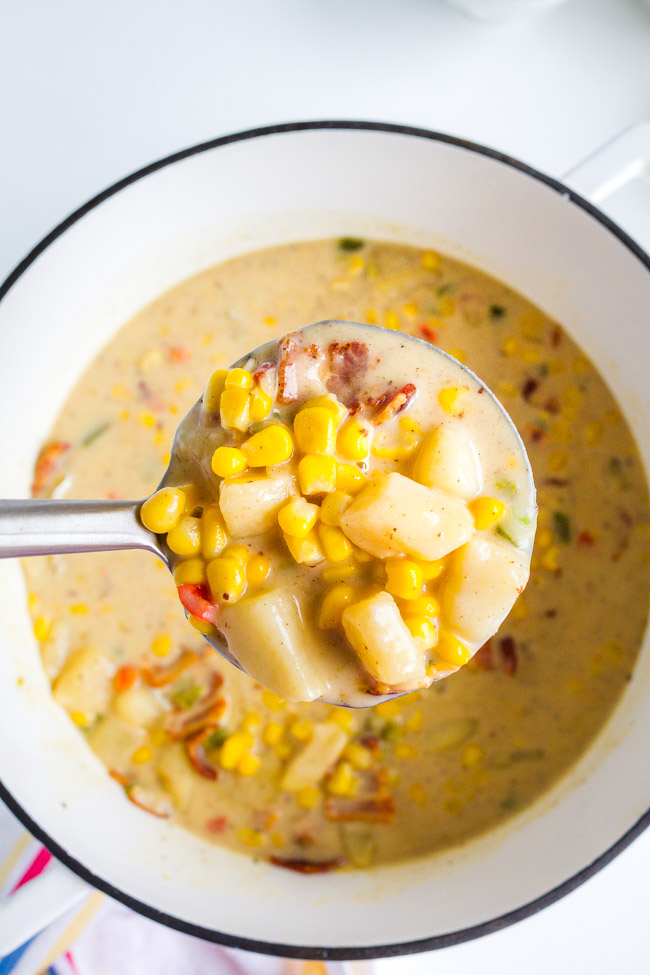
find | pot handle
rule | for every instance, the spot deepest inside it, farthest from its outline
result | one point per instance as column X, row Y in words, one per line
column 38, row 903
column 623, row 159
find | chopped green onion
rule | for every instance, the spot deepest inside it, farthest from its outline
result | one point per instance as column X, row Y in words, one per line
column 350, row 243
column 94, row 434
column 497, row 312
column 216, row 739
column 186, row 694
column 500, row 530
column 562, row 526
column 505, row 485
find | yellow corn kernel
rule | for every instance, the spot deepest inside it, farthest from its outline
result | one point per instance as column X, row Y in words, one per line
column 414, row 722
column 42, row 628
column 283, row 750
column 508, row 389
column 161, row 644
column 343, row 781
column 158, row 737
column 391, row 319
column 417, row 794
column 237, row 552
column 334, row 543
column 141, row 755
column 510, row 346
column 360, row 555
column 272, row 445
column 213, row 390
column 226, row 579
column 301, row 730
column 249, row 764
column 201, row 625
column 277, row 840
column 450, row 650
column 185, row 538
column 190, row 571
column 315, row 430
column 353, row 440
column 447, row 306
column 79, row 609
column 270, row 320
column 305, row 551
column 250, row 721
column 550, row 559
column 594, row 432
column 163, row 510
column 389, row 709
column 472, row 755
column 250, row 837
column 451, row 399
column 327, row 401
column 272, row 701
column 333, row 604
column 259, row 405
column 403, row 578
column 234, row 410
column 404, row 750
column 339, row 573
column 234, row 748
column 371, row 316
column 213, row 533
column 343, row 718
column 421, row 628
column 333, row 506
column 425, row 605
column 544, row 539
column 298, row 517
column 317, row 474
column 349, row 479
column 308, row 797
column 257, row 571
column 486, row 512
column 147, row 420
column 410, row 309
column 431, row 261
column 79, row 718
column 272, row 733
column 558, row 460
column 358, row 756
column 240, row 378
column 227, row 461
column 531, row 356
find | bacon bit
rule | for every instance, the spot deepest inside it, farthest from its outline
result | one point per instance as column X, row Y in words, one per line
column 397, row 402
column 586, row 538
column 196, row 753
column 347, row 362
column 196, row 600
column 287, row 372
column 508, row 654
column 209, row 710
column 111, row 495
column 534, row 434
column 371, row 742
column 120, row 777
column 217, row 825
column 155, row 401
column 261, row 371
column 307, row 866
column 124, row 678
column 365, row 809
column 483, row 658
column 160, row 675
column 428, row 333
column 152, row 802
column 263, row 819
column 529, row 387
column 179, row 353
column 556, row 336
column 48, row 468
column 556, row 481
column 552, row 404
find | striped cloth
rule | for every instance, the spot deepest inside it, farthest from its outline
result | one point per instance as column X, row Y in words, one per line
column 101, row 937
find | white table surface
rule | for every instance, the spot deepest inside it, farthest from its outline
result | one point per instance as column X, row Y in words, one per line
column 90, row 91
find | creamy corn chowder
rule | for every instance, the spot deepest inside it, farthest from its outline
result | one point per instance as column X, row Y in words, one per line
column 309, row 786
column 320, row 592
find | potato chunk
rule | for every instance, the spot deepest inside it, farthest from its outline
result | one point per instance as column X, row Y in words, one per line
column 484, row 580
column 84, row 684
column 176, row 774
column 272, row 643
column 115, row 741
column 382, row 641
column 394, row 514
column 137, row 706
column 315, row 758
column 447, row 459
column 250, row 505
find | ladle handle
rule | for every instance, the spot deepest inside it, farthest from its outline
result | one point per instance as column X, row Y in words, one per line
column 60, row 527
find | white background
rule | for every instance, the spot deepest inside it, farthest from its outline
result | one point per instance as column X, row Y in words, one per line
column 90, row 91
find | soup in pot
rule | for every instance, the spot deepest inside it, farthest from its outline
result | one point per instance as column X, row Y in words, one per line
column 309, row 786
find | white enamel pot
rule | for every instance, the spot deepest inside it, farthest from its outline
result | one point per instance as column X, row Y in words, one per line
column 64, row 302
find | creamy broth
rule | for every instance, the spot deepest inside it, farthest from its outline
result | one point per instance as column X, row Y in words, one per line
column 456, row 759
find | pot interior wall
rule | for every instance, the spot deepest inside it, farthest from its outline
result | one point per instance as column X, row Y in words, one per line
column 154, row 233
